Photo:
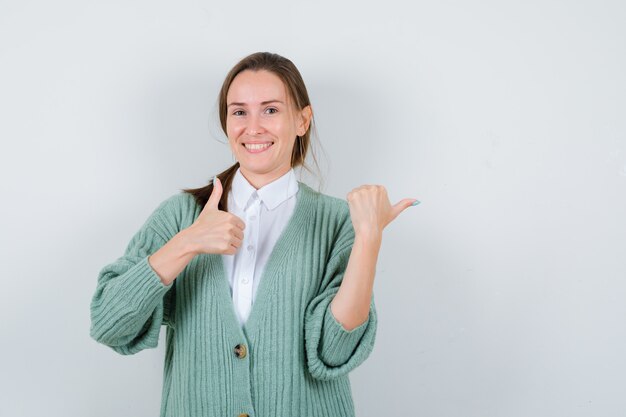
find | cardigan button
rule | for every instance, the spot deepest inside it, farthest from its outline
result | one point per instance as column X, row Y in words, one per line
column 240, row 351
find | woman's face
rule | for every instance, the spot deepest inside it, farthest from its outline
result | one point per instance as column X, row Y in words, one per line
column 259, row 112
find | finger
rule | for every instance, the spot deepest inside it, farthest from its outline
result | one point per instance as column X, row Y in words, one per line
column 216, row 194
column 231, row 250
column 236, row 242
column 238, row 233
column 240, row 223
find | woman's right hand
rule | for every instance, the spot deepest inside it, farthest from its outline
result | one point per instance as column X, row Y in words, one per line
column 215, row 231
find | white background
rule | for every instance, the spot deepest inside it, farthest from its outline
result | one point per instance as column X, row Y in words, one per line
column 502, row 294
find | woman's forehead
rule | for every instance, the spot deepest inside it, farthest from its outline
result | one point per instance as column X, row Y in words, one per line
column 256, row 87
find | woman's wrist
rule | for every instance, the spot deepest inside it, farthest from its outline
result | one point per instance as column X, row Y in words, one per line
column 369, row 236
column 186, row 246
column 169, row 261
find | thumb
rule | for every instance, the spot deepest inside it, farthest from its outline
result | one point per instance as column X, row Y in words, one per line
column 399, row 207
column 216, row 194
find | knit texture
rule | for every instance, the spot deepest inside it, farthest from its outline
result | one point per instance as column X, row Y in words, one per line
column 298, row 355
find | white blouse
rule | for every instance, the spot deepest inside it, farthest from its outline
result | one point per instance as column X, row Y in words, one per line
column 265, row 212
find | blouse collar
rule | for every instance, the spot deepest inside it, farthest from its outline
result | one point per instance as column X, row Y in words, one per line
column 272, row 194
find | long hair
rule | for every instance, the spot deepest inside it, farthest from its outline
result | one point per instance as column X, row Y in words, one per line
column 291, row 78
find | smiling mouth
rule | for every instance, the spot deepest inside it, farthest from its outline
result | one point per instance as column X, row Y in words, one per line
column 257, row 147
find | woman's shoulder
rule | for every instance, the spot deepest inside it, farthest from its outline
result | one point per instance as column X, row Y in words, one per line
column 176, row 204
column 333, row 212
column 327, row 202
column 175, row 213
column 179, row 201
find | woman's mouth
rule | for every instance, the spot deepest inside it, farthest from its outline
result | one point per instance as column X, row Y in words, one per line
column 257, row 147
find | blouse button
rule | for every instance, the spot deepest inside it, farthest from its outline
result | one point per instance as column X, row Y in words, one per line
column 252, row 217
column 250, row 247
column 240, row 351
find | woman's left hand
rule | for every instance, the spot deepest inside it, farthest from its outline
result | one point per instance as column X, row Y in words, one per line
column 371, row 210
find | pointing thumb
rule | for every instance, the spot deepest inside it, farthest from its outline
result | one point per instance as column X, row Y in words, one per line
column 216, row 194
column 399, row 207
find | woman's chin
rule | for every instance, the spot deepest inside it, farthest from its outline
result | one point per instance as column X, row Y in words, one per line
column 254, row 168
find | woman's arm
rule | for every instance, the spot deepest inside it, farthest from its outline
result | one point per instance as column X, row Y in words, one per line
column 131, row 302
column 351, row 304
column 370, row 212
column 169, row 261
column 213, row 231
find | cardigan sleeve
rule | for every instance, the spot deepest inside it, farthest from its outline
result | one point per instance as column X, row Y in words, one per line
column 331, row 349
column 131, row 302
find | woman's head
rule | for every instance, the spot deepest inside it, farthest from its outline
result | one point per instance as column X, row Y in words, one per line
column 264, row 100
column 260, row 77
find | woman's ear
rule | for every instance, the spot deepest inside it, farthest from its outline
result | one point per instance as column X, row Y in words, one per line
column 305, row 120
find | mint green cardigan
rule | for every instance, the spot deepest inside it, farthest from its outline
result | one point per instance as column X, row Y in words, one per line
column 290, row 359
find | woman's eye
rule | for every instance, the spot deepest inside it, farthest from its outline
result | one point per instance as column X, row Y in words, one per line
column 238, row 113
column 271, row 110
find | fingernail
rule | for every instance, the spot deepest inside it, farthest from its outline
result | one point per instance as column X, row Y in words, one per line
column 415, row 203
column 214, row 179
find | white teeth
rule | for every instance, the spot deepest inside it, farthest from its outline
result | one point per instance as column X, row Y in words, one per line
column 257, row 146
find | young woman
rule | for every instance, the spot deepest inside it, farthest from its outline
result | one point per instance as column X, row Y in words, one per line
column 264, row 285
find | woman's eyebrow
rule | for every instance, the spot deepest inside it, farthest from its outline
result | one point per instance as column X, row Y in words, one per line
column 262, row 103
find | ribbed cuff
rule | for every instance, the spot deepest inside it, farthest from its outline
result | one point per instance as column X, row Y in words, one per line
column 143, row 284
column 338, row 343
column 129, row 312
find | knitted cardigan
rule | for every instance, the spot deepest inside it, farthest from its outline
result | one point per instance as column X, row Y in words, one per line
column 291, row 358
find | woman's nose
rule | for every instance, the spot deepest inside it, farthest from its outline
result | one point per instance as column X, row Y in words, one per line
column 254, row 126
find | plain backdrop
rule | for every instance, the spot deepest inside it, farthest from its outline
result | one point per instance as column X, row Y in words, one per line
column 502, row 294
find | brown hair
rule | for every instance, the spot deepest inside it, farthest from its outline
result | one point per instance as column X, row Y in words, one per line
column 297, row 92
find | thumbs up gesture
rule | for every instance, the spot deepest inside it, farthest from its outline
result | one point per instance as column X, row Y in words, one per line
column 216, row 231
